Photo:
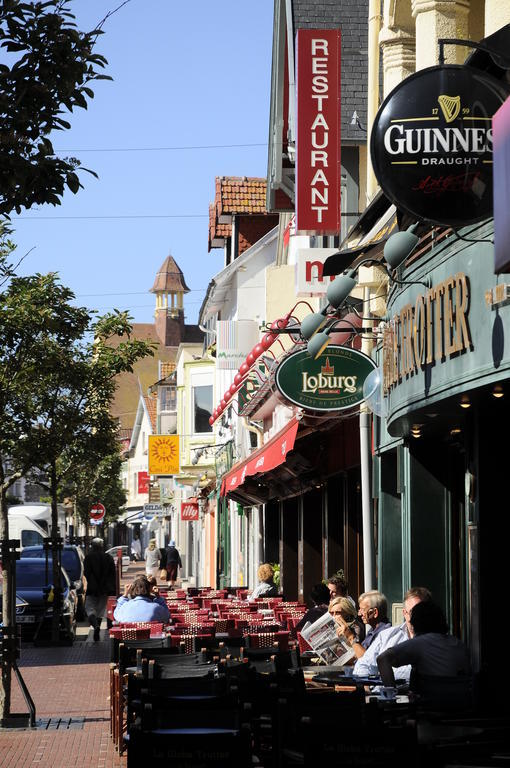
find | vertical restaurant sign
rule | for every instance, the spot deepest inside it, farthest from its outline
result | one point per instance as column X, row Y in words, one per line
column 431, row 144
column 318, row 170
column 163, row 454
column 189, row 509
column 143, row 482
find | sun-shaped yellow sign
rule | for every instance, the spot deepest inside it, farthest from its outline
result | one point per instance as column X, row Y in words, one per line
column 163, row 454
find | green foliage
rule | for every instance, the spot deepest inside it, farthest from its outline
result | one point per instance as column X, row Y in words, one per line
column 276, row 569
column 47, row 72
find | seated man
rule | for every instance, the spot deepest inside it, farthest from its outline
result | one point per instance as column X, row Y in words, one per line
column 373, row 608
column 366, row 663
column 433, row 653
column 140, row 603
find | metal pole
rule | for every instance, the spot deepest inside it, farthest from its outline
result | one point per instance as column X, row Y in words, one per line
column 365, row 424
column 365, row 427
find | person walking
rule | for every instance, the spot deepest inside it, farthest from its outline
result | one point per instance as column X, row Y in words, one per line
column 99, row 572
column 136, row 549
column 152, row 557
column 170, row 562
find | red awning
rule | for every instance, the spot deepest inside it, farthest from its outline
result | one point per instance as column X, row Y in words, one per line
column 271, row 455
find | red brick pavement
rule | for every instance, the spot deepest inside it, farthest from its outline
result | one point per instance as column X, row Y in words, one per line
column 65, row 683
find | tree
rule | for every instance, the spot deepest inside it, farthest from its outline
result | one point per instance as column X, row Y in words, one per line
column 93, row 482
column 48, row 69
column 57, row 380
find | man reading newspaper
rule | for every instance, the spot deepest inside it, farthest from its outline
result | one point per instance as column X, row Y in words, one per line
column 322, row 637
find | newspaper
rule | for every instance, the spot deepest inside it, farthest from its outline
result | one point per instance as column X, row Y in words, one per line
column 322, row 637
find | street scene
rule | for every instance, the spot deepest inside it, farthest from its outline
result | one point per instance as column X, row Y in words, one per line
column 255, row 520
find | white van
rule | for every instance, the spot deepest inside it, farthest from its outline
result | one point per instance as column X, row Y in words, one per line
column 31, row 523
column 27, row 531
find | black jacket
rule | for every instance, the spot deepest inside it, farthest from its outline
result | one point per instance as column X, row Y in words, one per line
column 99, row 570
column 170, row 555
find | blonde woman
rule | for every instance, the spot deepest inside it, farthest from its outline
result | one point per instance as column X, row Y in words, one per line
column 152, row 558
column 266, row 586
column 344, row 613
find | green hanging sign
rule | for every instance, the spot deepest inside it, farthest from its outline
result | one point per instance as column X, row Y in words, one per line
column 332, row 382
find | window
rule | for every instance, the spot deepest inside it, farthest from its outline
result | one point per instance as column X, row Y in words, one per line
column 30, row 538
column 168, row 397
column 202, row 408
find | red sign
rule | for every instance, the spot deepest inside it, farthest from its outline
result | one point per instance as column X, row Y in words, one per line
column 97, row 512
column 143, row 482
column 318, row 170
column 189, row 509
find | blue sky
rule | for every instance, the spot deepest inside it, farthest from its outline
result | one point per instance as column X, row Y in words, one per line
column 184, row 74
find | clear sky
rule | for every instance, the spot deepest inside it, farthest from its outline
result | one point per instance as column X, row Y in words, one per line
column 185, row 74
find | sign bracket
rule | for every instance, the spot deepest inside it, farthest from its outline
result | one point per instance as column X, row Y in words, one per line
column 499, row 59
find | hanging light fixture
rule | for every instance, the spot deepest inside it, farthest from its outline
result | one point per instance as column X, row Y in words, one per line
column 497, row 391
column 465, row 402
column 400, row 245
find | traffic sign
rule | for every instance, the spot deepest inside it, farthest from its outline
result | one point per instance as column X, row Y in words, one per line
column 97, row 513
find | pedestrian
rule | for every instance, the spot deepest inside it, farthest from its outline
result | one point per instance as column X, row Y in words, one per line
column 99, row 572
column 170, row 562
column 136, row 548
column 152, row 557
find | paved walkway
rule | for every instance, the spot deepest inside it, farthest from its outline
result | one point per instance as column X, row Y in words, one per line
column 70, row 689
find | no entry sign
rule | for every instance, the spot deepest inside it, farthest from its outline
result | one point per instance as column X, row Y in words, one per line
column 97, row 513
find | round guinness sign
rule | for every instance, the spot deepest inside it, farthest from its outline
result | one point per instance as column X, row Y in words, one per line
column 431, row 144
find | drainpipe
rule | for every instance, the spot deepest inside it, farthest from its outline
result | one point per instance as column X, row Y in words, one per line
column 365, row 424
column 374, row 28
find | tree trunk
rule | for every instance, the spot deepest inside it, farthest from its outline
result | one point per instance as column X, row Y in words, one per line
column 7, row 609
column 55, row 556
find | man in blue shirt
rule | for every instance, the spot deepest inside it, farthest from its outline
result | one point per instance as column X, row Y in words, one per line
column 140, row 603
column 366, row 663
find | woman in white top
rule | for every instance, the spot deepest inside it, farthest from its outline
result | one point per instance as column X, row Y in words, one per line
column 152, row 558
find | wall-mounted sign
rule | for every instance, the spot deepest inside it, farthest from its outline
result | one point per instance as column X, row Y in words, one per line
column 431, row 144
column 163, row 454
column 234, row 340
column 189, row 509
column 430, row 331
column 310, row 280
column 150, row 510
column 501, row 128
column 333, row 382
column 318, row 172
column 143, row 482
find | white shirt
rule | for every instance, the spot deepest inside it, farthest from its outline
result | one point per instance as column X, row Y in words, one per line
column 136, row 547
column 367, row 664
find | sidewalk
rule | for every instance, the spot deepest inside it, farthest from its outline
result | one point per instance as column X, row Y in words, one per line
column 70, row 689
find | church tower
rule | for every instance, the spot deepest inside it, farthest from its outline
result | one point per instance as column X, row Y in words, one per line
column 169, row 287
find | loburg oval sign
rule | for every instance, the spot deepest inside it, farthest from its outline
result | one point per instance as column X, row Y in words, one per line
column 333, row 382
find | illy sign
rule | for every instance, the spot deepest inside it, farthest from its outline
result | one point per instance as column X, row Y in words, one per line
column 318, row 172
column 189, row 510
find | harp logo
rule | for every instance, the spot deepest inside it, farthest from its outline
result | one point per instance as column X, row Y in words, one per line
column 450, row 107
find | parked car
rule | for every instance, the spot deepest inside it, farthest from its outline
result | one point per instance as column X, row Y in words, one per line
column 72, row 562
column 33, row 586
column 114, row 552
